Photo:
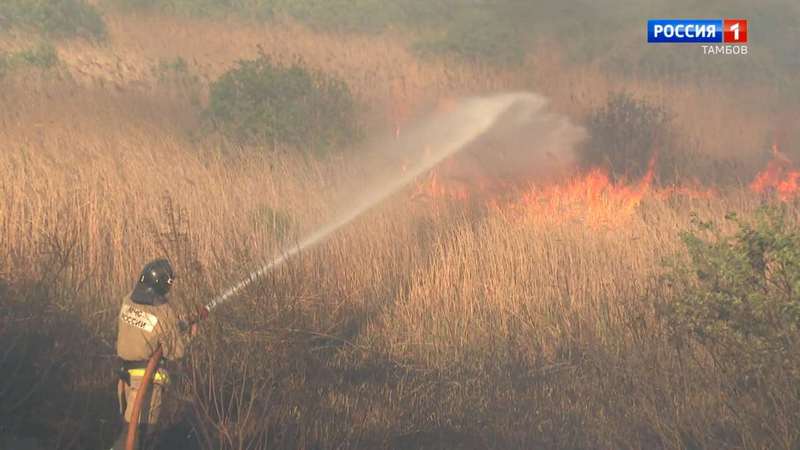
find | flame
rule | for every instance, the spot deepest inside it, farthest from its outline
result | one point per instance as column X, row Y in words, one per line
column 778, row 177
column 592, row 199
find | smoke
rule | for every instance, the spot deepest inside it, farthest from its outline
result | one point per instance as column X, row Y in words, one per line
column 481, row 124
column 511, row 137
column 527, row 144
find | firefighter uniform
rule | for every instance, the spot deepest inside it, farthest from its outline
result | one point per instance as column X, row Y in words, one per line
column 142, row 328
column 146, row 321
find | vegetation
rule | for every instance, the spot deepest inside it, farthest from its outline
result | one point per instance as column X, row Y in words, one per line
column 44, row 57
column 200, row 8
column 738, row 303
column 56, row 18
column 626, row 135
column 423, row 325
column 479, row 37
column 741, row 298
column 172, row 68
column 482, row 33
column 175, row 76
column 427, row 323
column 502, row 31
column 261, row 102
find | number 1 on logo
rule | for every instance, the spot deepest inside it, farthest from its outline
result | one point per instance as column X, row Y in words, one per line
column 735, row 31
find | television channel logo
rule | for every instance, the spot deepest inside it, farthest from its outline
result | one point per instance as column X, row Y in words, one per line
column 731, row 33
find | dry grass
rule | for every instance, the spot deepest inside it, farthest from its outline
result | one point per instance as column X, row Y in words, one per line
column 394, row 85
column 421, row 326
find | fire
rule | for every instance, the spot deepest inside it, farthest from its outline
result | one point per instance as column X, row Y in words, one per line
column 592, row 197
column 778, row 177
column 434, row 188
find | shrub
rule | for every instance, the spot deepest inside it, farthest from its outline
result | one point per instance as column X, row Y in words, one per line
column 260, row 102
column 176, row 72
column 625, row 134
column 57, row 18
column 741, row 293
column 736, row 314
column 168, row 67
column 44, row 56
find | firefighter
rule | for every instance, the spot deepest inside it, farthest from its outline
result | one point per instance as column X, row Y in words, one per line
column 145, row 321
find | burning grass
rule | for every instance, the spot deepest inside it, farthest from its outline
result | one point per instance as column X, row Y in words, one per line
column 779, row 177
column 590, row 197
column 530, row 321
column 457, row 315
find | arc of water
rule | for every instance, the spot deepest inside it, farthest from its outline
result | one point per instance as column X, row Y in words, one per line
column 441, row 136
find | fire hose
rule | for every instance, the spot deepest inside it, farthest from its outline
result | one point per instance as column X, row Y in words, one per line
column 141, row 393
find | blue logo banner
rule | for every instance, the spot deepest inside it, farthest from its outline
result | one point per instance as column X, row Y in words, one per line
column 684, row 30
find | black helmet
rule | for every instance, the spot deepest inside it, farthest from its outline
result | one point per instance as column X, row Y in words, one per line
column 154, row 283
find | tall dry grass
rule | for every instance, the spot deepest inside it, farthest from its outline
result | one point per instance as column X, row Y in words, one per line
column 423, row 325
column 394, row 85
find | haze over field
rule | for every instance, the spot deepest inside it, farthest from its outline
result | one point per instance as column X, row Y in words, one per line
column 499, row 224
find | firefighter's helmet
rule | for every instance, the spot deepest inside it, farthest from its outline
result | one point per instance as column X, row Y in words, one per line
column 154, row 283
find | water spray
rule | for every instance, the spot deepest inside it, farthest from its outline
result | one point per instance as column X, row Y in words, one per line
column 387, row 171
column 426, row 145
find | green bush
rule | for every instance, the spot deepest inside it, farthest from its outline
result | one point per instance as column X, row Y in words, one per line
column 44, row 56
column 261, row 102
column 177, row 65
column 57, row 18
column 625, row 134
column 739, row 296
column 175, row 71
